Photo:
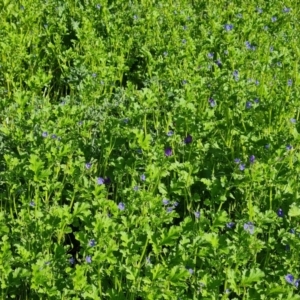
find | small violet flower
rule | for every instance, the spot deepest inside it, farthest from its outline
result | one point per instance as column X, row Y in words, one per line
column 242, row 167
column 230, row 225
column 170, row 133
column 88, row 165
column 45, row 134
column 289, row 278
column 92, row 243
column 293, row 120
column 100, row 180
column 72, row 260
column 197, row 214
column 280, row 213
column 121, row 206
column 188, row 139
column 249, row 227
column 168, row 151
column 143, row 177
column 290, row 82
column 212, row 102
column 165, row 201
column 228, row 27
column 252, row 159
column 88, row 259
column 289, row 147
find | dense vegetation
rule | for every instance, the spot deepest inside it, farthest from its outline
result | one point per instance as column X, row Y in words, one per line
column 149, row 149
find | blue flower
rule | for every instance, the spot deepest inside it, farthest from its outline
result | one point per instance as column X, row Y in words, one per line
column 92, row 243
column 188, row 139
column 94, row 75
column 289, row 147
column 230, row 225
column 259, row 10
column 248, row 104
column 143, row 177
column 168, row 151
column 136, row 188
column 121, row 206
column 88, row 165
column 100, row 180
column 54, row 136
column 32, row 204
column 296, row 284
column 165, row 201
column 280, row 213
column 184, row 82
column 293, row 120
column 197, row 214
column 219, row 63
column 45, row 134
column 170, row 209
column 228, row 27
column 292, row 231
column 210, row 55
column 212, row 102
column 170, row 133
column 249, row 227
column 191, row 271
column 274, row 19
column 290, row 82
column 88, row 259
column 72, row 261
column 289, row 278
column 242, row 167
column 252, row 159
column 286, row 10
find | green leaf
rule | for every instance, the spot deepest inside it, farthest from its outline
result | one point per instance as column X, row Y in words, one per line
column 254, row 276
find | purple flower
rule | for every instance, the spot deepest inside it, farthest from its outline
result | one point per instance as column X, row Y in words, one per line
column 237, row 160
column 274, row 19
column 191, row 271
column 168, row 151
column 100, row 180
column 230, row 225
column 45, row 134
column 252, row 159
column 143, row 177
column 212, row 102
column 170, row 133
column 256, row 100
column 242, row 167
column 121, row 206
column 296, row 284
column 32, row 204
column 72, row 261
column 188, row 139
column 249, row 227
column 219, row 63
column 88, row 259
column 92, row 243
column 88, row 165
column 136, row 188
column 54, row 136
column 290, row 82
column 228, row 27
column 293, row 120
column 210, row 55
column 289, row 278
column 289, row 147
column 197, row 214
column 280, row 213
column 165, row 201
column 170, row 209
column 107, row 180
column 248, row 45
column 286, row 10
column 175, row 204
column 248, row 104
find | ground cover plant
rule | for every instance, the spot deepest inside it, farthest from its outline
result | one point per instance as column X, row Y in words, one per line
column 149, row 149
